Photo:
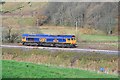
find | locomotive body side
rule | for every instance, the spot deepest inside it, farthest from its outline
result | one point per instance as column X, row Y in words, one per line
column 49, row 40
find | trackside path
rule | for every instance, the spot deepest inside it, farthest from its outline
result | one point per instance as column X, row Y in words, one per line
column 63, row 49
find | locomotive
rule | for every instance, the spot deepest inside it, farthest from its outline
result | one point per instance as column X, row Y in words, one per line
column 67, row 41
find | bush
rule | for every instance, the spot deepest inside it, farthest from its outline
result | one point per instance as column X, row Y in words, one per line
column 10, row 38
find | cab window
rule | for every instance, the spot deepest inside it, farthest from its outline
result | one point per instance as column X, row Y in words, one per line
column 68, row 39
column 23, row 37
column 72, row 38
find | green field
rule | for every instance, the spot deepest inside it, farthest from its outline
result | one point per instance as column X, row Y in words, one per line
column 14, row 69
column 99, row 38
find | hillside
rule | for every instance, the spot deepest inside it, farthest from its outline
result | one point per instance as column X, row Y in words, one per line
column 98, row 15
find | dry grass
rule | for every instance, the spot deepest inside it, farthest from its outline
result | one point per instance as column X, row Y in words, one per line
column 26, row 9
column 9, row 5
column 90, row 31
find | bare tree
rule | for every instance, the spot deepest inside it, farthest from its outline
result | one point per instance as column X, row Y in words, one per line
column 9, row 35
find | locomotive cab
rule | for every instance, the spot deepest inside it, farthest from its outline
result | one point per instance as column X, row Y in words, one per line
column 23, row 39
column 71, row 40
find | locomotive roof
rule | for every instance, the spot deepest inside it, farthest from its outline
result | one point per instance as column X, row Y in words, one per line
column 45, row 35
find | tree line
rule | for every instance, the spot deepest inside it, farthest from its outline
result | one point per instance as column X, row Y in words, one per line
column 98, row 15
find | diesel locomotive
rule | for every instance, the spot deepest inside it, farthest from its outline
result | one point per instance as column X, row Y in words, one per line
column 67, row 41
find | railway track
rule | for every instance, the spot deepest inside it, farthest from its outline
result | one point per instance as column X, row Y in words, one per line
column 62, row 49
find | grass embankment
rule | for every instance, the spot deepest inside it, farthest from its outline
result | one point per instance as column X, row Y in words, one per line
column 87, row 61
column 14, row 69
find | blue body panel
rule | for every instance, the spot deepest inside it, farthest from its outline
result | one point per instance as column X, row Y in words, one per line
column 49, row 38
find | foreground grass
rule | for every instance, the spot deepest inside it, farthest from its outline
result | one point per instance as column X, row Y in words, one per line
column 14, row 69
column 90, row 61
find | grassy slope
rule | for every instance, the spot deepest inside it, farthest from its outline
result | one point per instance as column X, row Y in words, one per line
column 15, row 69
column 9, row 6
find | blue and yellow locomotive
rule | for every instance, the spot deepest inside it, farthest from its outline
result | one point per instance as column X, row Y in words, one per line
column 49, row 40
